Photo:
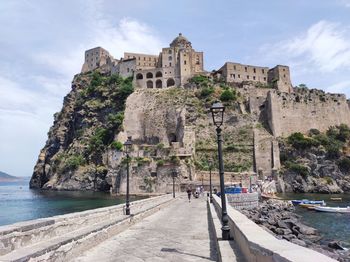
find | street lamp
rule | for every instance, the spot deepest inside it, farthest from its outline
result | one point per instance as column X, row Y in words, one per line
column 217, row 111
column 127, row 149
column 210, row 161
column 174, row 174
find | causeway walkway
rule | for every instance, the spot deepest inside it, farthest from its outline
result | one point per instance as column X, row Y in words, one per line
column 178, row 232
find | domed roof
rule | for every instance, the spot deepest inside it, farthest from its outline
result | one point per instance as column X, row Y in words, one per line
column 180, row 41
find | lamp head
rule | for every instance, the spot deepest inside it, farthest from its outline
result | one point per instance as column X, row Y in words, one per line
column 128, row 145
column 217, row 110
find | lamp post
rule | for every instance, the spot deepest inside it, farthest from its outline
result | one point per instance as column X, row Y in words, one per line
column 127, row 149
column 210, row 185
column 174, row 174
column 217, row 111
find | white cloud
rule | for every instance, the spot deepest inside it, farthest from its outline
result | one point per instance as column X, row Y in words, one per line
column 29, row 97
column 341, row 87
column 324, row 45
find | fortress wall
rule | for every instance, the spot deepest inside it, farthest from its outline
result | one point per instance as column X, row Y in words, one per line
column 304, row 110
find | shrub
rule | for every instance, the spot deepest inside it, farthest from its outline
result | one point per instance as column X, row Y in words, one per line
column 206, row 91
column 73, row 162
column 344, row 133
column 96, row 79
column 160, row 162
column 299, row 141
column 314, row 131
column 99, row 140
column 114, row 79
column 115, row 120
column 329, row 180
column 160, row 146
column 297, row 168
column 228, row 95
column 200, row 80
column 333, row 150
column 344, row 165
column 175, row 160
column 116, row 145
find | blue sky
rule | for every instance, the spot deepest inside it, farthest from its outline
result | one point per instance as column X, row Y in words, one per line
column 42, row 46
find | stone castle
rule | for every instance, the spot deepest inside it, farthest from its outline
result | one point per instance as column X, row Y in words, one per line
column 271, row 96
column 179, row 62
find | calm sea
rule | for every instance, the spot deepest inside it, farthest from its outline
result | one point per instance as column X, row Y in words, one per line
column 19, row 203
column 332, row 226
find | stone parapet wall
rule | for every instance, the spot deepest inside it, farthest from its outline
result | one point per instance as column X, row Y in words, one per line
column 244, row 200
column 258, row 245
column 25, row 234
column 305, row 110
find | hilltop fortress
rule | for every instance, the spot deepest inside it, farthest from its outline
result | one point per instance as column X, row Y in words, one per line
column 272, row 98
column 176, row 64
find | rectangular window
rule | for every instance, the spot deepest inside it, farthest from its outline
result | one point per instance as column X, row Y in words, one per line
column 264, row 78
column 253, row 77
column 247, row 77
column 149, row 59
column 263, row 71
column 128, row 69
column 245, row 69
column 144, row 59
column 234, row 76
column 184, row 62
column 169, row 64
column 254, row 70
column 234, row 67
column 239, row 76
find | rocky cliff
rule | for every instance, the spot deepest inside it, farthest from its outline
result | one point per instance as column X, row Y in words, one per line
column 317, row 162
column 171, row 130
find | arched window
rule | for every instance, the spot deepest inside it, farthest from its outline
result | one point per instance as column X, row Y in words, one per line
column 149, row 75
column 149, row 84
column 139, row 76
column 159, row 83
column 159, row 74
column 169, row 52
column 170, row 82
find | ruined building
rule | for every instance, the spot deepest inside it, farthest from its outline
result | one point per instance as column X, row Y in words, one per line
column 177, row 63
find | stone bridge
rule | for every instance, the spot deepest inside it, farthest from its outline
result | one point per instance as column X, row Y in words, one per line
column 159, row 229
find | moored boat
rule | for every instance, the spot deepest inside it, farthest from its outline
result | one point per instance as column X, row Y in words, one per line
column 336, row 198
column 333, row 209
column 306, row 201
column 309, row 205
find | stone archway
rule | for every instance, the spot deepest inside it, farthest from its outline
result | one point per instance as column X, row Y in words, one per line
column 149, row 84
column 139, row 76
column 159, row 74
column 159, row 83
column 149, row 75
column 170, row 82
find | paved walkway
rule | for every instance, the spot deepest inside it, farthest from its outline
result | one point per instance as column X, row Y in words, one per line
column 179, row 232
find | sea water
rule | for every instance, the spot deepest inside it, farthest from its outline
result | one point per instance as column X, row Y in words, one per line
column 331, row 226
column 19, row 203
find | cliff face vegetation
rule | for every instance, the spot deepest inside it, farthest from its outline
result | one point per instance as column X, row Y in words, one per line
column 74, row 156
column 171, row 128
column 317, row 162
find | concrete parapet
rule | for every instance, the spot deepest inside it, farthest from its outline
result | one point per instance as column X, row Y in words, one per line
column 256, row 244
column 59, row 238
column 244, row 200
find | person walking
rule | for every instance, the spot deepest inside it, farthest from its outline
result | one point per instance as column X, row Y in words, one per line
column 189, row 193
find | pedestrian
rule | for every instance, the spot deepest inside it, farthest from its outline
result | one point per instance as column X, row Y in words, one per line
column 189, row 193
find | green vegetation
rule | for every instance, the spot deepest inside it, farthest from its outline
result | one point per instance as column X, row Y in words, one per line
column 297, row 168
column 329, row 180
column 115, row 120
column 160, row 162
column 228, row 95
column 73, row 162
column 206, row 91
column 200, row 80
column 116, row 145
column 299, row 141
column 344, row 165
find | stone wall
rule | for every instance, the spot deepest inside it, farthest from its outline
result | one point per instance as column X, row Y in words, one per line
column 258, row 245
column 304, row 110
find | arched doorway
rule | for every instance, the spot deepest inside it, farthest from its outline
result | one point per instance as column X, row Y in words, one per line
column 159, row 74
column 139, row 76
column 149, row 84
column 159, row 83
column 172, row 138
column 170, row 82
column 149, row 75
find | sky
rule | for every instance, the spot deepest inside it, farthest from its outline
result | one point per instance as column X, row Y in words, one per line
column 42, row 46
